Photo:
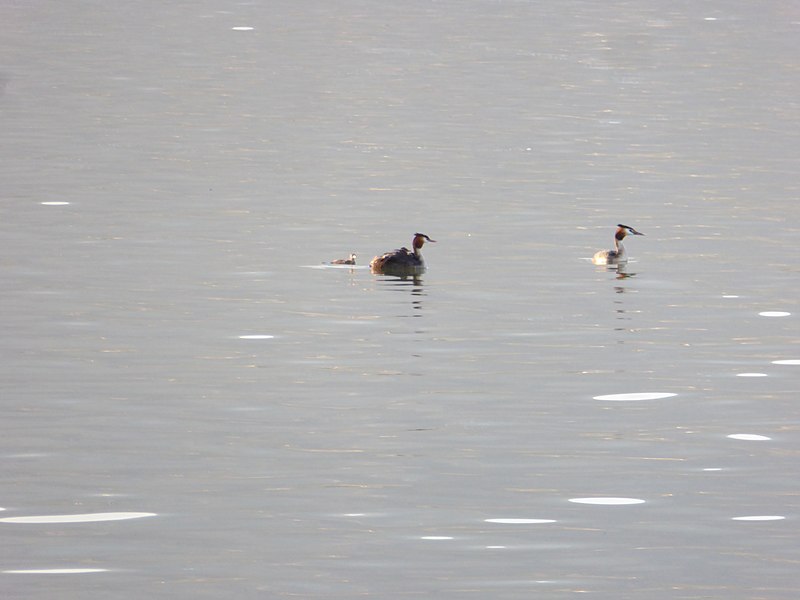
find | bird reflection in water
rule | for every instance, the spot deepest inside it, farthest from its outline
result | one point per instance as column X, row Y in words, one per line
column 623, row 314
column 622, row 273
column 406, row 283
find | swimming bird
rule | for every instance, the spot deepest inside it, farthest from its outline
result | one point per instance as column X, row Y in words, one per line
column 402, row 260
column 617, row 255
column 345, row 261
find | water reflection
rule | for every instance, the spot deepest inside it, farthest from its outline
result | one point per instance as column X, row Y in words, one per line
column 81, row 518
column 77, row 571
column 405, row 283
column 623, row 273
column 519, row 521
column 635, row 396
column 611, row 501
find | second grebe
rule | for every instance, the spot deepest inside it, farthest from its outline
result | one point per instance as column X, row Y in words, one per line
column 345, row 261
column 402, row 260
column 617, row 255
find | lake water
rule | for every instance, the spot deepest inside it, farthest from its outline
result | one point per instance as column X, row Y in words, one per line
column 194, row 406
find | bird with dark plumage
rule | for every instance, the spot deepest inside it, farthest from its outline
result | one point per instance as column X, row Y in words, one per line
column 617, row 255
column 402, row 259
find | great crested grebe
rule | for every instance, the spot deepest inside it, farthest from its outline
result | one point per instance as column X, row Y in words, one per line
column 617, row 255
column 345, row 261
column 402, row 259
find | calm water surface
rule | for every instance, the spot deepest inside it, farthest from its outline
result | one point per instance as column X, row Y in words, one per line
column 195, row 407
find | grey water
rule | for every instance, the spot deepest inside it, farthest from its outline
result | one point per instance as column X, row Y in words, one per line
column 195, row 406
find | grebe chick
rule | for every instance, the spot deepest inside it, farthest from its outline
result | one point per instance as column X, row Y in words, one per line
column 617, row 255
column 345, row 261
column 402, row 260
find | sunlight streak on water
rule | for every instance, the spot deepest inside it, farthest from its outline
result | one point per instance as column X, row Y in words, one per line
column 54, row 571
column 634, row 397
column 607, row 501
column 82, row 518
column 512, row 521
